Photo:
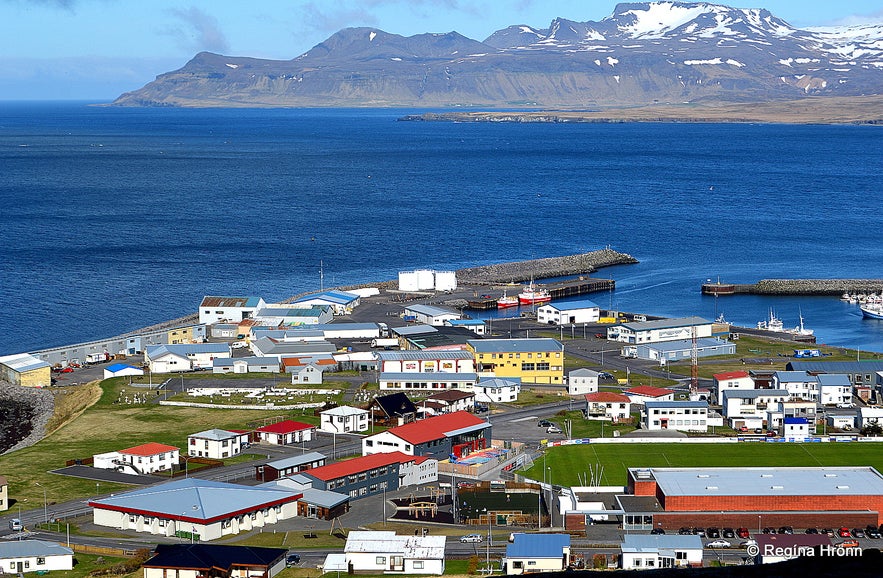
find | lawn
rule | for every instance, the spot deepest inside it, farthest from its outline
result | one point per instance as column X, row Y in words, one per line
column 568, row 463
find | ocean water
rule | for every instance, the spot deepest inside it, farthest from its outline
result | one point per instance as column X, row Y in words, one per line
column 115, row 219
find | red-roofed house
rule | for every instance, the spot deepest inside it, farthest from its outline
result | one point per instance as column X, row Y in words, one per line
column 457, row 433
column 372, row 474
column 643, row 393
column 608, row 405
column 285, row 432
column 731, row 380
column 144, row 459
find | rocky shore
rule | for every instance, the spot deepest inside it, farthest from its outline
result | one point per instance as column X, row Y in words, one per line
column 545, row 268
column 24, row 413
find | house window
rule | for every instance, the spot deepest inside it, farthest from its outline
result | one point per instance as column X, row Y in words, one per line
column 41, row 561
column 418, row 564
column 380, row 560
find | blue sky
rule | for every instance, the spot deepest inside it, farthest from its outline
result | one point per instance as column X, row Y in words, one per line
column 97, row 49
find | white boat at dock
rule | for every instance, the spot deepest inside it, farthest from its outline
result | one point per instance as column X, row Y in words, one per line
column 872, row 310
column 772, row 323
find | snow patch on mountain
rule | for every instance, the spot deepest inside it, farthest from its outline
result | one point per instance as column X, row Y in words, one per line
column 660, row 17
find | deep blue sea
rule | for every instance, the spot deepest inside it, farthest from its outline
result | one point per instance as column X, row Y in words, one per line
column 114, row 219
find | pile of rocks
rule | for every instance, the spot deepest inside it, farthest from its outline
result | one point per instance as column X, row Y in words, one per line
column 544, row 268
column 816, row 286
column 24, row 413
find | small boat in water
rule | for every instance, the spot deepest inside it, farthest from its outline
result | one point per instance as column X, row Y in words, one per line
column 872, row 310
column 507, row 301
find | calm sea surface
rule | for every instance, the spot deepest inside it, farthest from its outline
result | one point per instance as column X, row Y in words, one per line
column 114, row 219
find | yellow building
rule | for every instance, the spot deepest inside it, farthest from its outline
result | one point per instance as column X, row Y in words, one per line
column 25, row 369
column 533, row 360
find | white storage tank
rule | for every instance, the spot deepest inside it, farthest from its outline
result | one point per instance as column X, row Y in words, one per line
column 445, row 280
column 425, row 279
column 408, row 281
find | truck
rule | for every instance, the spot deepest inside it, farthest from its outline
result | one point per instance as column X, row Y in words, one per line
column 385, row 343
column 97, row 357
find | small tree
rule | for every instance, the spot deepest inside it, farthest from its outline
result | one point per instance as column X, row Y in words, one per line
column 472, row 568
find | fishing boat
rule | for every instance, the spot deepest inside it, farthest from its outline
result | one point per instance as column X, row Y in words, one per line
column 532, row 294
column 507, row 301
column 872, row 311
column 772, row 323
column 800, row 329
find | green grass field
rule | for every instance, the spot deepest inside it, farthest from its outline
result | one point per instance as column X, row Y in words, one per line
column 568, row 463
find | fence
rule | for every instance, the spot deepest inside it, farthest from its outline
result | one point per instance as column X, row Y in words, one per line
column 103, row 551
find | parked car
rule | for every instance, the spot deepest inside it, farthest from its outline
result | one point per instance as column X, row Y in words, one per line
column 600, row 336
column 238, row 345
column 728, row 533
column 858, row 533
column 544, row 423
column 553, row 429
column 684, row 531
column 772, row 434
column 786, row 530
column 743, row 533
column 847, row 544
column 657, row 531
column 471, row 538
column 811, row 531
column 712, row 533
column 605, row 375
column 844, row 533
column 718, row 544
column 829, row 532
column 699, row 531
column 15, row 525
column 66, row 370
column 769, row 530
column 292, row 560
column 872, row 532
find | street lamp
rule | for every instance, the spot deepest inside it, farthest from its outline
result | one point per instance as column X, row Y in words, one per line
column 45, row 514
column 551, row 496
column 758, row 524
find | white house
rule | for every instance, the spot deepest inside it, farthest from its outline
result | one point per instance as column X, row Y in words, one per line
column 645, row 393
column 122, row 370
column 343, row 419
column 4, row 494
column 341, row 302
column 869, row 416
column 235, row 309
column 677, row 415
column 184, row 356
column 582, row 381
column 457, row 361
column 731, row 380
column 608, row 406
column 309, row 373
column 430, row 315
column 797, row 428
column 649, row 552
column 382, row 552
column 245, row 365
column 799, row 384
column 751, row 402
column 497, row 390
column 834, row 389
column 217, row 444
column 573, row 312
column 419, row 471
column 22, row 556
column 144, row 459
column 529, row 553
column 660, row 330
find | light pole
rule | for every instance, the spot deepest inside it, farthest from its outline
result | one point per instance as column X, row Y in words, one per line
column 551, row 496
column 758, row 524
column 45, row 514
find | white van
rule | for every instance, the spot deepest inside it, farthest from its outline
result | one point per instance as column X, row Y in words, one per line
column 15, row 525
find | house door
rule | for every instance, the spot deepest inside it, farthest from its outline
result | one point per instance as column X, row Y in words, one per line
column 19, row 567
column 663, row 423
column 397, row 563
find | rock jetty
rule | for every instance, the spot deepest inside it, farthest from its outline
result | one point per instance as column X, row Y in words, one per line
column 545, row 268
column 795, row 287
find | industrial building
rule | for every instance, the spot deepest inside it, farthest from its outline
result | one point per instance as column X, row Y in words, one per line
column 660, row 330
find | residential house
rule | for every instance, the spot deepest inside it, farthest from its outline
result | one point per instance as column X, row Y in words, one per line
column 4, row 494
column 451, row 401
column 456, row 434
column 869, row 416
column 797, row 428
column 245, row 365
column 649, row 552
column 194, row 508
column 608, row 406
column 21, row 556
column 569, row 313
column 285, row 432
column 799, row 384
column 234, row 309
column 529, row 553
column 430, row 315
column 392, row 409
column 323, row 361
column 144, row 459
column 311, row 374
column 384, row 552
column 192, row 560
column 677, row 415
column 645, row 393
column 535, row 360
column 660, row 330
column 341, row 302
column 749, row 403
column 287, row 467
column 184, row 357
column 731, row 380
column 217, row 444
column 582, row 381
column 497, row 390
column 373, row 474
column 343, row 419
column 835, row 389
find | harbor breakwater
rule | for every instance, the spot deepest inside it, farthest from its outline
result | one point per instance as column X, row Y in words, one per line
column 544, row 268
column 795, row 287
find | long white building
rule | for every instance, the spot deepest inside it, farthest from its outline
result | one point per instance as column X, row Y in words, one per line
column 660, row 330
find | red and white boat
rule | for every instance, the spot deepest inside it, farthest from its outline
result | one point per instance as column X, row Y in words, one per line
column 507, row 301
column 532, row 295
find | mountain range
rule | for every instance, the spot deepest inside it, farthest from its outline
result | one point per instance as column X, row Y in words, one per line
column 644, row 53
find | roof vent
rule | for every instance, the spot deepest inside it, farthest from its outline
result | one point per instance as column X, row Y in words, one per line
column 830, row 475
column 766, row 475
column 710, row 487
column 703, row 476
column 842, row 487
column 777, row 487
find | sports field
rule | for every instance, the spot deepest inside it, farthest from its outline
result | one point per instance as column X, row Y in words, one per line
column 566, row 464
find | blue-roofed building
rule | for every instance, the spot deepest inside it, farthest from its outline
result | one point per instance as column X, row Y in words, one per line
column 528, row 553
column 660, row 330
column 569, row 312
column 122, row 370
column 21, row 556
column 288, row 466
column 476, row 326
column 799, row 384
column 676, row 415
column 195, row 508
column 214, row 560
column 860, row 373
column 341, row 302
column 497, row 390
column 184, row 356
column 797, row 428
column 671, row 351
column 649, row 552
